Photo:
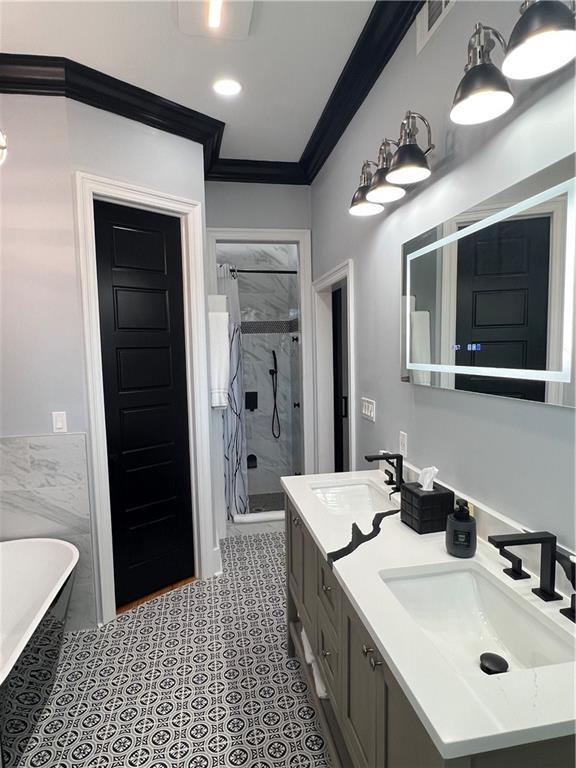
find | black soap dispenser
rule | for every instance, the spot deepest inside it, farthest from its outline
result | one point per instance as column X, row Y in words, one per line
column 461, row 531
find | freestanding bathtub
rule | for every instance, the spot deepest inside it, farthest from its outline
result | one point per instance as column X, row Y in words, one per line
column 35, row 583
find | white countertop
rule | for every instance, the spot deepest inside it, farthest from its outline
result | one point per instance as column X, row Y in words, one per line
column 464, row 714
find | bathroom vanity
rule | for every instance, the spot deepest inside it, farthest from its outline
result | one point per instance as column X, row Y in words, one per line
column 397, row 650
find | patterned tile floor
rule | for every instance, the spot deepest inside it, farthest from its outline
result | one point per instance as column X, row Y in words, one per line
column 197, row 678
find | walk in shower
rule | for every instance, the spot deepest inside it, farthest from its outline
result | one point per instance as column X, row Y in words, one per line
column 262, row 425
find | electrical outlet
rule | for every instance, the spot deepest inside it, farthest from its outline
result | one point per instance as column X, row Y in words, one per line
column 403, row 444
column 368, row 409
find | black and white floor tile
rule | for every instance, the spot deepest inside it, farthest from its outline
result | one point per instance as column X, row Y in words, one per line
column 198, row 678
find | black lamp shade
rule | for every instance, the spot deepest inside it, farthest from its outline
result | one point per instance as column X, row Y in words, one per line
column 359, row 206
column 381, row 191
column 533, row 53
column 408, row 165
column 482, row 95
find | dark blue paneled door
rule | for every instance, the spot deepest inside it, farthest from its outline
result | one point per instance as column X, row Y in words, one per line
column 139, row 262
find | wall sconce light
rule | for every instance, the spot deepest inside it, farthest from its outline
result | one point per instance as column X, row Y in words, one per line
column 409, row 164
column 543, row 40
column 483, row 93
column 360, row 206
column 3, row 147
column 381, row 191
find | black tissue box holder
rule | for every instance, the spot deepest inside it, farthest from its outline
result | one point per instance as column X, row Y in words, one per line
column 425, row 511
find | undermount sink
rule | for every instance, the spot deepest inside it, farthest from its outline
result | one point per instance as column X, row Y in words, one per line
column 352, row 497
column 466, row 611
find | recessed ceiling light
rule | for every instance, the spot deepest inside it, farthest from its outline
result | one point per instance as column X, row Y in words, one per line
column 227, row 87
column 214, row 14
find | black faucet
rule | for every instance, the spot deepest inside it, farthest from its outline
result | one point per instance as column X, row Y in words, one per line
column 566, row 561
column 548, row 555
column 395, row 460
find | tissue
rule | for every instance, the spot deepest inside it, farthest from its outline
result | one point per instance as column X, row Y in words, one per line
column 426, row 478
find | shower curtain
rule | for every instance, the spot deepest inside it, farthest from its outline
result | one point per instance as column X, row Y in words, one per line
column 235, row 465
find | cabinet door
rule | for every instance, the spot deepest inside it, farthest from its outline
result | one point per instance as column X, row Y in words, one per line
column 295, row 554
column 408, row 744
column 358, row 701
column 329, row 593
column 308, row 609
column 329, row 657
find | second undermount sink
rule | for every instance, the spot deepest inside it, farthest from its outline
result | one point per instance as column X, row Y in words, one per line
column 343, row 498
column 467, row 611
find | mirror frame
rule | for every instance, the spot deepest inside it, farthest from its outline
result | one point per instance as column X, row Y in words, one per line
column 562, row 376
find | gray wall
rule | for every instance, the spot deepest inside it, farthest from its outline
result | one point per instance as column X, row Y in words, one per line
column 257, row 206
column 45, row 488
column 517, row 457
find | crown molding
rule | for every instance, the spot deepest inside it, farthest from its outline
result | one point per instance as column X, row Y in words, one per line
column 387, row 24
column 57, row 76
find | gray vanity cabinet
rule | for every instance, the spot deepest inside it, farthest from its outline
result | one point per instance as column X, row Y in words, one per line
column 302, row 572
column 367, row 719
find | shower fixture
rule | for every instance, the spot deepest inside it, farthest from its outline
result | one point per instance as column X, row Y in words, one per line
column 276, row 432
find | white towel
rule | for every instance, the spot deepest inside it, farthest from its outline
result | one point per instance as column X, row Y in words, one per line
column 219, row 358
column 308, row 654
column 321, row 691
column 420, row 344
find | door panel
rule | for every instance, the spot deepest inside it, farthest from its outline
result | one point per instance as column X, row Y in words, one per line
column 503, row 305
column 139, row 262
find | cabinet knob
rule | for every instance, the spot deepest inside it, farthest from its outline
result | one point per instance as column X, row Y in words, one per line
column 374, row 663
column 326, row 588
column 296, row 521
column 366, row 650
column 325, row 654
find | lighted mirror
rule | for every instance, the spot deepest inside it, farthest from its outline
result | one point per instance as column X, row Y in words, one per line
column 488, row 296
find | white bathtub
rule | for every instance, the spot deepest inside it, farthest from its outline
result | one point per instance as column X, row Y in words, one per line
column 32, row 572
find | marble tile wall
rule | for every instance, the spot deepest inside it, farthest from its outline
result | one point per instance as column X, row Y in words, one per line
column 44, row 493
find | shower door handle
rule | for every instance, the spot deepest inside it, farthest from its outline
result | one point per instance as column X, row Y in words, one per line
column 344, row 406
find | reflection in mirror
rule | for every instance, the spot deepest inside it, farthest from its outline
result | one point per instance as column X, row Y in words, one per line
column 488, row 296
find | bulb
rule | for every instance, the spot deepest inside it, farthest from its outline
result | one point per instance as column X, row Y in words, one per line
column 540, row 54
column 408, row 174
column 365, row 209
column 481, row 107
column 227, row 87
column 385, row 193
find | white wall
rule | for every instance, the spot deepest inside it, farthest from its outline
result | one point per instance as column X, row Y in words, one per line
column 515, row 456
column 50, row 138
column 257, row 206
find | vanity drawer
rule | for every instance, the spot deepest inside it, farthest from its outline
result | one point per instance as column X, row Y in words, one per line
column 329, row 656
column 329, row 592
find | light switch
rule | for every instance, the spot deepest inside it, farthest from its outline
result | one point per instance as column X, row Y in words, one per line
column 59, row 423
column 368, row 409
column 403, row 444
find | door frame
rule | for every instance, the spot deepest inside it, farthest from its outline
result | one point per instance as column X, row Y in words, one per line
column 301, row 237
column 323, row 366
column 89, row 188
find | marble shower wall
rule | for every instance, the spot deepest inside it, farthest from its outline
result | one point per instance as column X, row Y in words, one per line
column 265, row 297
column 44, row 493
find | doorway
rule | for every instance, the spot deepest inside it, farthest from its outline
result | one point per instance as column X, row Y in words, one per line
column 334, row 380
column 142, row 334
column 340, row 377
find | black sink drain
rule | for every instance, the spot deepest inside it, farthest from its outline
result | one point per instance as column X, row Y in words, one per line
column 492, row 664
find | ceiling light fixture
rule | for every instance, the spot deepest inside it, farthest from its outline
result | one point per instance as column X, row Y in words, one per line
column 381, row 191
column 409, row 164
column 3, row 147
column 227, row 87
column 215, row 13
column 360, row 206
column 543, row 40
column 483, row 93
